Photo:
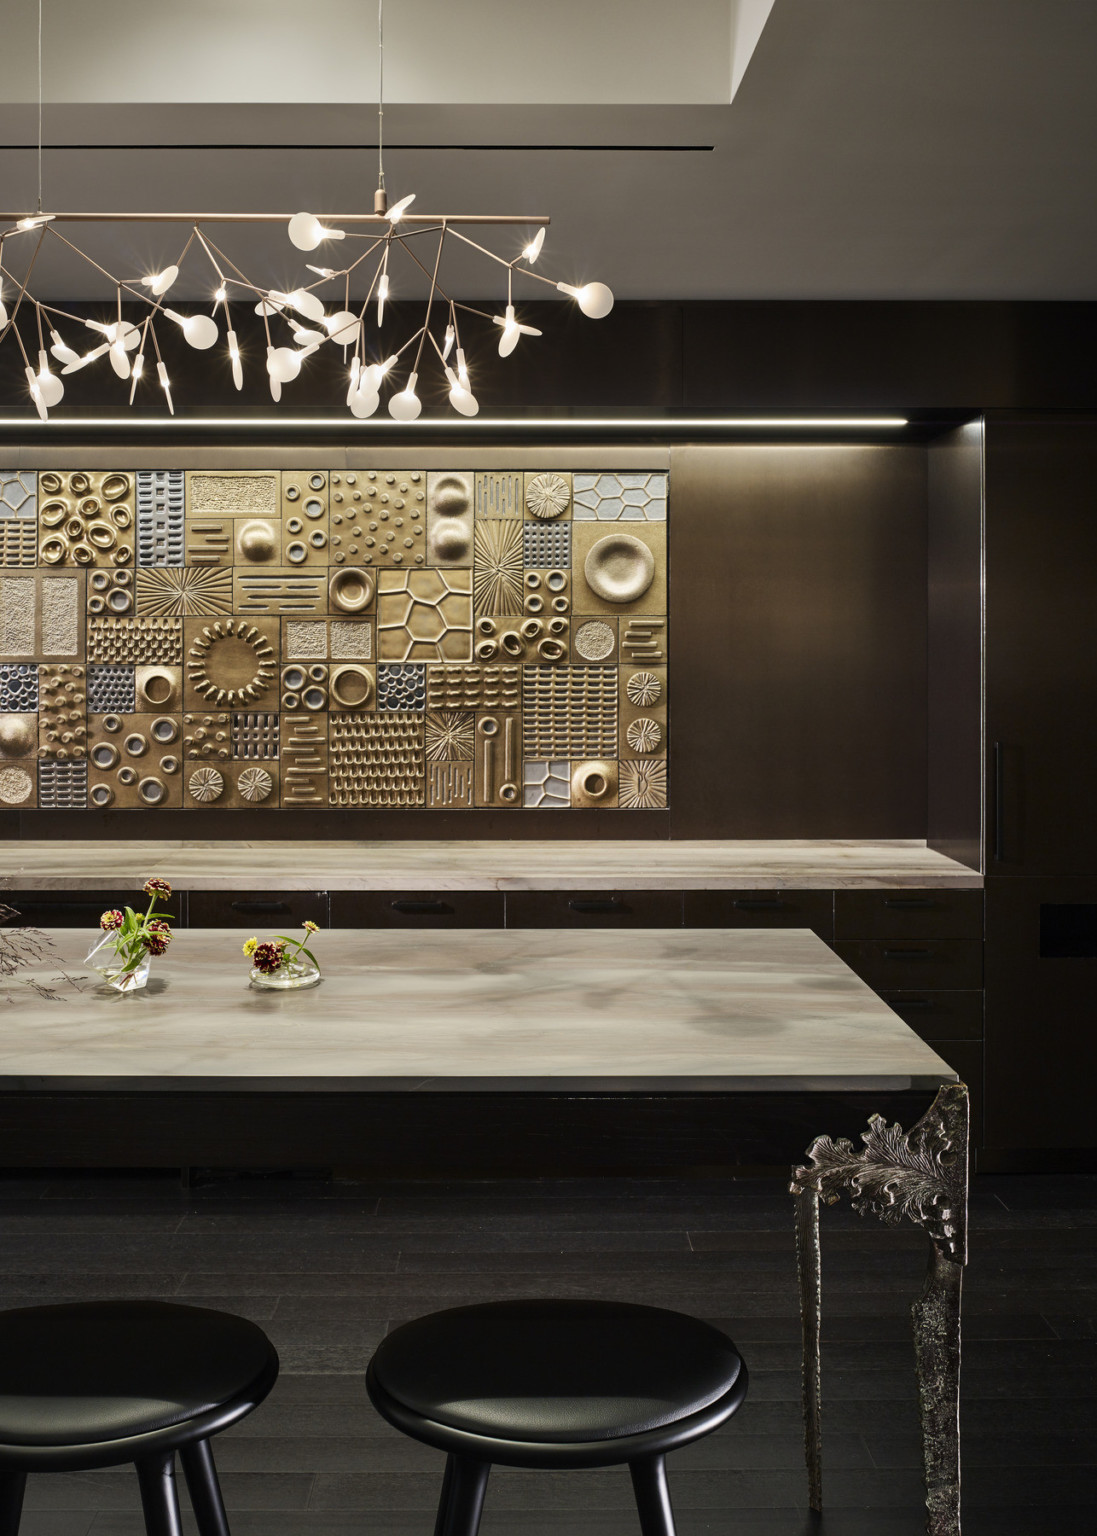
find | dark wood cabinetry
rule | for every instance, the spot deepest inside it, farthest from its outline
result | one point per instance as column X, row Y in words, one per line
column 761, row 909
column 594, row 909
column 417, row 909
column 265, row 909
column 83, row 909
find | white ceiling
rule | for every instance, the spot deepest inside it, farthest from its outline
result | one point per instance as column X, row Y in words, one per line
column 923, row 149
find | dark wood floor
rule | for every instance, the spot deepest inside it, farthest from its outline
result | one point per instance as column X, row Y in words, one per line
column 326, row 1268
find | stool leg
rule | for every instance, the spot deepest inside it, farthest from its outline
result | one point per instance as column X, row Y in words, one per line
column 462, row 1502
column 159, row 1499
column 204, row 1489
column 12, row 1486
column 649, row 1484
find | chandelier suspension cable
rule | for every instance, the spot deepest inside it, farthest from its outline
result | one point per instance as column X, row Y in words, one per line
column 381, row 97
column 40, row 105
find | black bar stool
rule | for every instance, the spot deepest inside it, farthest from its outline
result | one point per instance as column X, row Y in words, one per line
column 108, row 1382
column 555, row 1384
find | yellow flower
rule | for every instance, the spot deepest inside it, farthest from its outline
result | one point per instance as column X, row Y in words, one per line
column 250, row 946
column 311, row 927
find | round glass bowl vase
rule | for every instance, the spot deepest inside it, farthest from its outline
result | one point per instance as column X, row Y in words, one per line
column 290, row 975
column 105, row 960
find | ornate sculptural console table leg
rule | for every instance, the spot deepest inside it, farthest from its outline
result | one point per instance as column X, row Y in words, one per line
column 920, row 1175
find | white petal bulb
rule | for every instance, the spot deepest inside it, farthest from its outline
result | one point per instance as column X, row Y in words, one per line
column 88, row 357
column 118, row 360
column 199, row 331
column 36, row 393
column 533, row 249
column 363, row 403
column 234, row 357
column 306, row 231
column 62, row 352
column 594, row 299
column 382, row 295
column 447, row 344
column 165, row 385
column 355, row 373
column 307, row 304
column 283, row 364
column 397, row 211
column 305, row 336
column 511, row 332
column 343, row 328
column 460, row 397
column 49, row 385
column 159, row 282
column 275, row 389
column 406, row 405
column 4, row 314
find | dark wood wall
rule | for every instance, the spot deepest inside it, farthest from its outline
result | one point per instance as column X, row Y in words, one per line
column 799, row 641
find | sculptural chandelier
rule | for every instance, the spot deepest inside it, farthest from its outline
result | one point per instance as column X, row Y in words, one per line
column 296, row 324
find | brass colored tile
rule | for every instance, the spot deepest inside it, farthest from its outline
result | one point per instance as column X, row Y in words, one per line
column 474, row 687
column 18, row 541
column 499, row 493
column 643, row 729
column 42, row 615
column 569, row 712
column 594, row 638
column 352, row 687
column 378, row 517
column 184, row 591
column 497, row 576
column 306, row 531
column 643, row 785
column 111, row 689
column 547, row 496
column 546, row 593
column 629, row 561
column 62, row 711
column 19, row 687
column 158, row 688
column 594, row 784
column 231, row 786
column 424, row 615
column 207, row 736
column 517, row 640
column 449, row 519
column 498, row 759
column 450, row 736
column 234, row 493
column 233, row 518
column 160, row 517
column 128, row 642
column 450, row 786
column 304, row 687
column 352, row 590
column 110, row 590
column 134, row 761
column 376, row 759
column 304, row 760
column 644, row 641
column 546, row 786
column 281, row 591
column 254, row 735
column 18, row 782
column 231, row 663
column 86, row 518
column 18, row 736
column 62, row 786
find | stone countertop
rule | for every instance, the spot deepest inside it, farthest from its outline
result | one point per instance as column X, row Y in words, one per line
column 485, row 1010
column 404, row 865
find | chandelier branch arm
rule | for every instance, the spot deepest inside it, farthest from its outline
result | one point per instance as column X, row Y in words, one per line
column 417, row 219
column 23, row 290
column 430, row 298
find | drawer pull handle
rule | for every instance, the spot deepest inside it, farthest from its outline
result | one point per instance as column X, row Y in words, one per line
column 907, row 954
column 607, row 904
column 422, row 908
column 752, row 905
column 259, row 908
column 909, row 903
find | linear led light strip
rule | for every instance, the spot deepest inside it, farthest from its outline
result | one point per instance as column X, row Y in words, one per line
column 665, row 424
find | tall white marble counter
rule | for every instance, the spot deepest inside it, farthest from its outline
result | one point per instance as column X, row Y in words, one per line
column 661, row 1010
column 524, row 865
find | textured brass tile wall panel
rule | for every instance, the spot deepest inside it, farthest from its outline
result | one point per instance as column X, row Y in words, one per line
column 156, row 641
column 185, row 592
column 42, row 615
column 498, row 759
column 474, row 687
column 306, row 532
column 135, row 761
column 62, row 711
column 376, row 760
column 231, row 662
column 424, row 615
column 304, row 759
column 86, row 518
column 333, row 638
column 378, row 517
column 499, row 493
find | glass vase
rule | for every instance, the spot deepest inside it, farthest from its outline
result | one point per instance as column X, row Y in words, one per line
column 105, row 960
column 290, row 974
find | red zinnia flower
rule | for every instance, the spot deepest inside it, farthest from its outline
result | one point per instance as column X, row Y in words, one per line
column 268, row 957
column 111, row 920
column 156, row 887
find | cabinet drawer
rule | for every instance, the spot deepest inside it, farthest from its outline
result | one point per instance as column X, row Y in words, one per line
column 83, row 909
column 912, row 914
column 940, row 1015
column 417, row 909
column 594, row 909
column 761, row 909
column 911, row 965
column 257, row 909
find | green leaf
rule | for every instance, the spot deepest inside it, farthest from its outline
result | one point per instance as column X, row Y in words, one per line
column 311, row 956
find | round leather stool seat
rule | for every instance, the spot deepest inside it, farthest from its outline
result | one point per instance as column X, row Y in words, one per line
column 111, row 1370
column 555, row 1384
column 101, row 1383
